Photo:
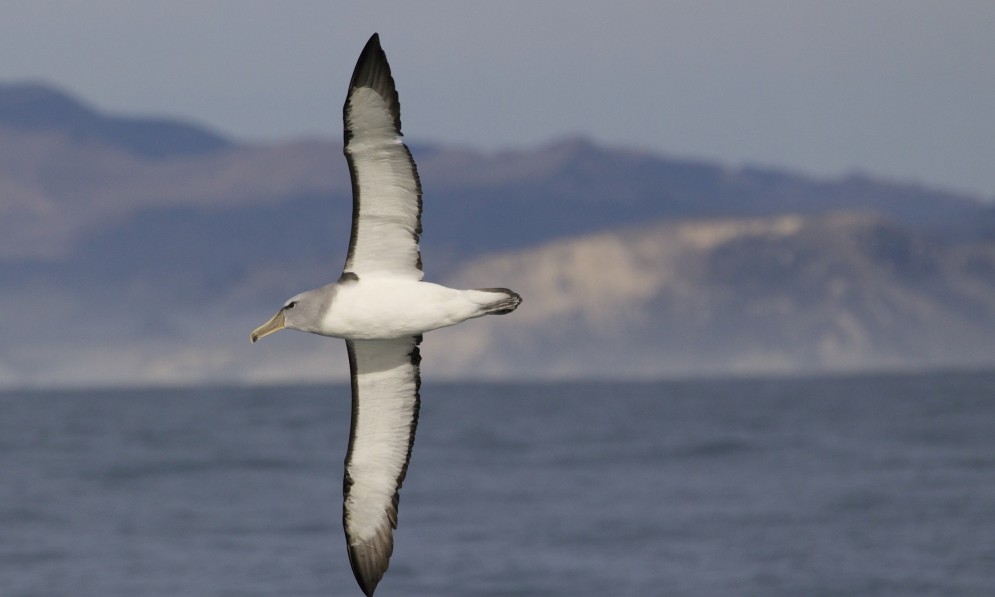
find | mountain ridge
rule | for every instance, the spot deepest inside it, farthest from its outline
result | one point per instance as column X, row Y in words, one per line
column 32, row 106
column 122, row 264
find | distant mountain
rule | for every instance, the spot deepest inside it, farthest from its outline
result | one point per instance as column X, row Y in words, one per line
column 144, row 250
column 788, row 294
column 32, row 107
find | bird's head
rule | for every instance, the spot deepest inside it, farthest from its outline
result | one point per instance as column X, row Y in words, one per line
column 302, row 312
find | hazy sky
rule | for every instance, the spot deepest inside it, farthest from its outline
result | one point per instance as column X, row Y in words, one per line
column 899, row 88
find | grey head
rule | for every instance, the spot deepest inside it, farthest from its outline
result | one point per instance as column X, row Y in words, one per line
column 303, row 312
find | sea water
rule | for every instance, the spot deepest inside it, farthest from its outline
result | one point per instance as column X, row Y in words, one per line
column 870, row 485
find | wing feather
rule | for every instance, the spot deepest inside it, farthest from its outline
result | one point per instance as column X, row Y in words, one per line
column 385, row 402
column 386, row 191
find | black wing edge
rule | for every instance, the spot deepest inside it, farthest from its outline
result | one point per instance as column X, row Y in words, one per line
column 372, row 70
column 370, row 562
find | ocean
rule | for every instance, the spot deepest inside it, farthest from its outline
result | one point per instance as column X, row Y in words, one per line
column 868, row 485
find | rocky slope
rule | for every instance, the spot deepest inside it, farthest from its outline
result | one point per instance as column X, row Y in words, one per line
column 780, row 294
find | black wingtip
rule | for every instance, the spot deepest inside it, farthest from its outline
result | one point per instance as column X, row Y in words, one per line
column 373, row 71
column 372, row 47
column 369, row 564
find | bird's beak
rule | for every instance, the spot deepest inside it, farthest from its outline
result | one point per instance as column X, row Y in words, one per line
column 273, row 325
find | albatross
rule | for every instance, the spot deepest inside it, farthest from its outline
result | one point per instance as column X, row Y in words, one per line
column 381, row 307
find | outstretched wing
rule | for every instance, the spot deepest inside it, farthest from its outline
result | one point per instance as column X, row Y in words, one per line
column 385, row 401
column 386, row 192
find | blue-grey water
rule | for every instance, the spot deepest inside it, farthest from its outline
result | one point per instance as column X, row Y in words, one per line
column 874, row 485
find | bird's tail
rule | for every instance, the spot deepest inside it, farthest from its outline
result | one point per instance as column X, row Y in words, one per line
column 506, row 301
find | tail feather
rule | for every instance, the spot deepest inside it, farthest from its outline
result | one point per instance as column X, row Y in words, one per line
column 507, row 303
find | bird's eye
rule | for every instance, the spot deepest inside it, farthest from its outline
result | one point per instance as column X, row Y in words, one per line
column 290, row 305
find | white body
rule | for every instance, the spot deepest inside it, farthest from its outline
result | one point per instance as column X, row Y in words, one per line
column 387, row 307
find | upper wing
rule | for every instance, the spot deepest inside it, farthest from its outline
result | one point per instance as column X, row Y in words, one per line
column 385, row 403
column 386, row 192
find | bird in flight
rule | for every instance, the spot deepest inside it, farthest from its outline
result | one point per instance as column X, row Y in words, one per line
column 381, row 307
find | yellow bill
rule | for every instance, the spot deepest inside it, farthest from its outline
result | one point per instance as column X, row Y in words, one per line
column 273, row 325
